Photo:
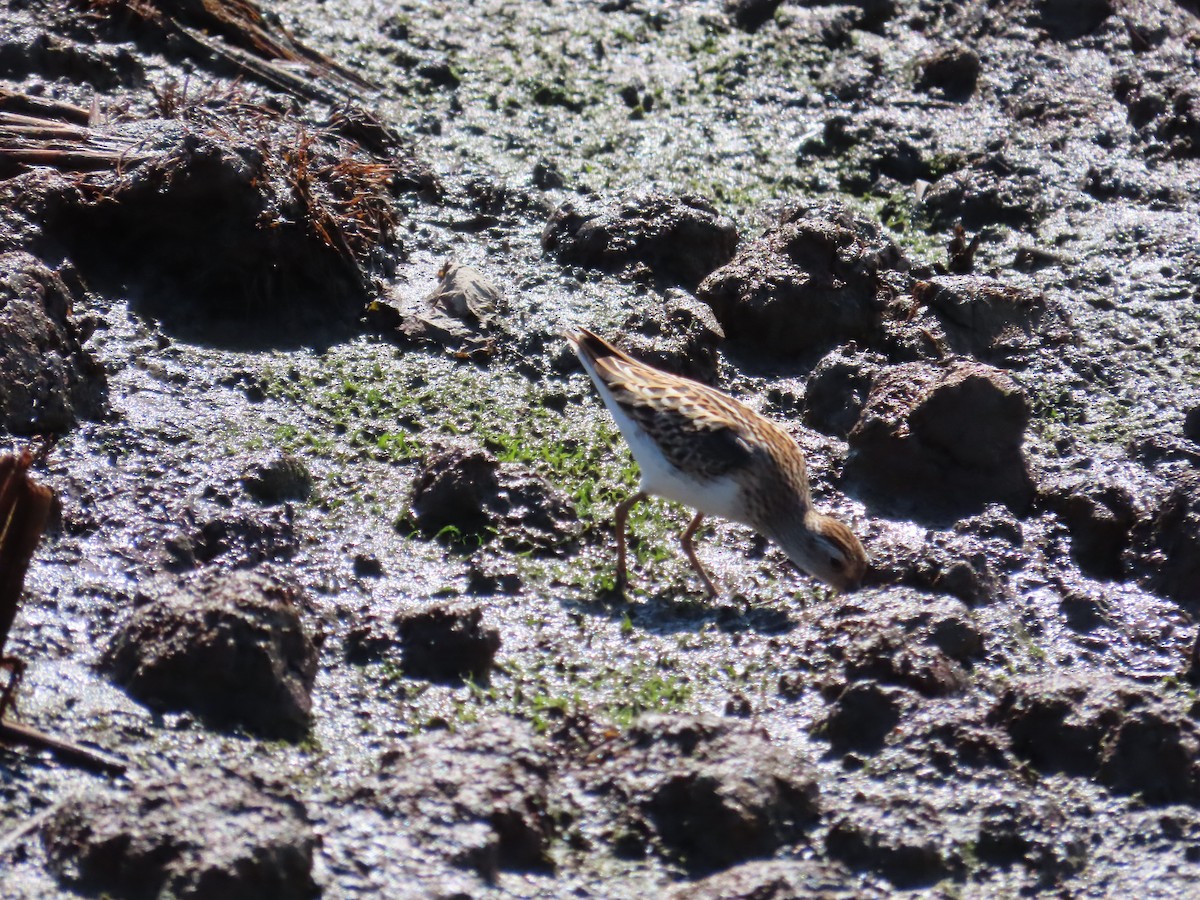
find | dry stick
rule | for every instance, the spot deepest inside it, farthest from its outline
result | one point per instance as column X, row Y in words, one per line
column 84, row 757
column 12, row 122
column 13, row 839
column 35, row 105
column 68, row 159
column 278, row 76
column 24, row 508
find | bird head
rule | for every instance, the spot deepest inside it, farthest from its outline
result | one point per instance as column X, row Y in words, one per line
column 824, row 548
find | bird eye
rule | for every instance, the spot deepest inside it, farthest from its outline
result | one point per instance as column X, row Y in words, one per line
column 836, row 563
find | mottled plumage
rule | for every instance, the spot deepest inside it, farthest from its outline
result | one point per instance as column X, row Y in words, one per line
column 706, row 450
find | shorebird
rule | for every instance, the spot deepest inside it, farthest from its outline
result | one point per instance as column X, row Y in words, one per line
column 700, row 447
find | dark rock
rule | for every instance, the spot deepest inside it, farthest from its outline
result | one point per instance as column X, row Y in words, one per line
column 862, row 717
column 231, row 648
column 898, row 836
column 466, row 495
column 952, row 70
column 1100, row 510
column 942, row 441
column 714, row 792
column 447, row 643
column 1164, row 109
column 680, row 336
column 1191, row 424
column 991, row 320
column 1166, row 546
column 481, row 794
column 1097, row 726
column 809, row 283
column 778, row 880
column 837, row 390
column 203, row 835
column 1070, row 19
column 278, row 477
column 750, row 15
column 47, row 380
column 238, row 538
column 1034, row 834
column 676, row 240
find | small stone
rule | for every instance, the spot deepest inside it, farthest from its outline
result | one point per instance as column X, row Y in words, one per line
column 676, row 239
column 447, row 643
column 278, row 477
column 952, row 70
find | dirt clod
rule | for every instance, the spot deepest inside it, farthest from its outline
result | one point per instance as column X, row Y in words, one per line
column 47, row 380
column 447, row 643
column 714, row 792
column 808, row 284
column 942, row 438
column 465, row 494
column 202, row 834
column 952, row 70
column 677, row 240
column 278, row 477
column 481, row 793
column 231, row 648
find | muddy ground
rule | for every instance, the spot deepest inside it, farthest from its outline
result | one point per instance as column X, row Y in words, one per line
column 333, row 569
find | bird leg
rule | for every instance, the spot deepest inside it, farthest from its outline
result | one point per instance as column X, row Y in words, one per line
column 619, row 516
column 690, row 550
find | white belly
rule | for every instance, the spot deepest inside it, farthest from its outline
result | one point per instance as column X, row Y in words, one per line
column 715, row 497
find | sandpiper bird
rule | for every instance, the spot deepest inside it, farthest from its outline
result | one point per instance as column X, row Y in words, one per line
column 706, row 450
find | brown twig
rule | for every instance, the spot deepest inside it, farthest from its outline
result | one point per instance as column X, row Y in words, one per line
column 24, row 508
column 76, row 754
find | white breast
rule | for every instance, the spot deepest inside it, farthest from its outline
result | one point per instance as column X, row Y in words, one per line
column 717, row 497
